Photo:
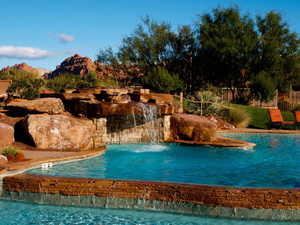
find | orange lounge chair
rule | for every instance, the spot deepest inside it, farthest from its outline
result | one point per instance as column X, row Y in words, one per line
column 276, row 117
column 297, row 116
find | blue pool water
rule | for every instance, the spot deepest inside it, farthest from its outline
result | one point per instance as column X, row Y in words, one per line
column 15, row 213
column 274, row 162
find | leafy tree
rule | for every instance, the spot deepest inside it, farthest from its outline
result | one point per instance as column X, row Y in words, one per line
column 278, row 50
column 149, row 45
column 263, row 88
column 160, row 79
column 228, row 45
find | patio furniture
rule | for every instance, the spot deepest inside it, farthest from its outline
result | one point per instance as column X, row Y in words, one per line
column 276, row 117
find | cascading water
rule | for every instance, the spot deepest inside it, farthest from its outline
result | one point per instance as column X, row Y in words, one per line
column 149, row 117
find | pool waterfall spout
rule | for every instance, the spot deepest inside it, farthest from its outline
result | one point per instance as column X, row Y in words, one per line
column 150, row 116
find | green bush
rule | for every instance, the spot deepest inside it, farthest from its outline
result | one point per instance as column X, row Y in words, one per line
column 159, row 79
column 236, row 116
column 63, row 81
column 72, row 81
column 108, row 83
column 263, row 88
column 24, row 84
column 10, row 150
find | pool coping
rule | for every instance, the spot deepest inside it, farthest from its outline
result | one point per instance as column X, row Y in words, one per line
column 199, row 200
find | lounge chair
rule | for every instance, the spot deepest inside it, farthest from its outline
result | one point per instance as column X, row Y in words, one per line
column 297, row 116
column 276, row 117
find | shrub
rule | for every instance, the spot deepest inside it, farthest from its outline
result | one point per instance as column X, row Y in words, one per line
column 63, row 81
column 9, row 151
column 237, row 116
column 72, row 81
column 13, row 154
column 24, row 84
column 159, row 79
column 263, row 87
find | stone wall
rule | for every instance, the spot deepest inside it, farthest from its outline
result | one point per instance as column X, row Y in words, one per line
column 129, row 129
column 262, row 203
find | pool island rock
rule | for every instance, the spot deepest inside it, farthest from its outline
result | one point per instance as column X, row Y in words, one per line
column 90, row 118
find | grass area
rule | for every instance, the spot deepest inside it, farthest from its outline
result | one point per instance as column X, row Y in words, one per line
column 260, row 117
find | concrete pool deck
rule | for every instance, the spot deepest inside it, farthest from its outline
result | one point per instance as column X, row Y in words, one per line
column 35, row 157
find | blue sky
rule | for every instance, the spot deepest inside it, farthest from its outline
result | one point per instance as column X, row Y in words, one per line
column 52, row 30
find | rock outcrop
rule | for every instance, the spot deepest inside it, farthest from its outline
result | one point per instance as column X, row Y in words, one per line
column 6, row 135
column 41, row 105
column 76, row 65
column 27, row 68
column 79, row 65
column 192, row 128
column 59, row 132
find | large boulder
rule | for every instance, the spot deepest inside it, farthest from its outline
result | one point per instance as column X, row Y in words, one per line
column 192, row 127
column 59, row 132
column 6, row 135
column 41, row 105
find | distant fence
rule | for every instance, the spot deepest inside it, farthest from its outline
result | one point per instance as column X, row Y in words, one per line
column 228, row 95
column 289, row 100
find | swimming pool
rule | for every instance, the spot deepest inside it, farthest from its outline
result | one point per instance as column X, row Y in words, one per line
column 274, row 162
column 15, row 213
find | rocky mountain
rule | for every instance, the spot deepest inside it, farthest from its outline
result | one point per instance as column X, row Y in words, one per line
column 82, row 65
column 74, row 64
column 27, row 68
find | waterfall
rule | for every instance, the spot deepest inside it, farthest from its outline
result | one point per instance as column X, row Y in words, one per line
column 149, row 117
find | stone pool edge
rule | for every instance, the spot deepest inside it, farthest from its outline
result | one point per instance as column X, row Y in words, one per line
column 198, row 200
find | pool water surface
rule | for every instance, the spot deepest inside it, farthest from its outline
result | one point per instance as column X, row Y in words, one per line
column 274, row 162
column 16, row 213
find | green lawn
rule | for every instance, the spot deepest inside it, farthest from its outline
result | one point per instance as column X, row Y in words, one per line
column 260, row 117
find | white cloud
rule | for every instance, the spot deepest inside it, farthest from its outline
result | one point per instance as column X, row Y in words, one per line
column 7, row 51
column 65, row 38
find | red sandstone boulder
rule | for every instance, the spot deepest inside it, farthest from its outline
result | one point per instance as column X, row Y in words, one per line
column 192, row 127
column 221, row 124
column 59, row 132
column 41, row 105
column 6, row 135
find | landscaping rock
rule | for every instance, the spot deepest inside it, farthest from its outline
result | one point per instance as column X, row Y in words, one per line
column 6, row 135
column 41, row 105
column 192, row 127
column 59, row 132
column 3, row 159
column 221, row 124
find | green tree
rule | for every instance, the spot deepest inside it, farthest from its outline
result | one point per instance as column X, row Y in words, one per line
column 278, row 50
column 159, row 79
column 228, row 43
column 263, row 88
column 155, row 44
